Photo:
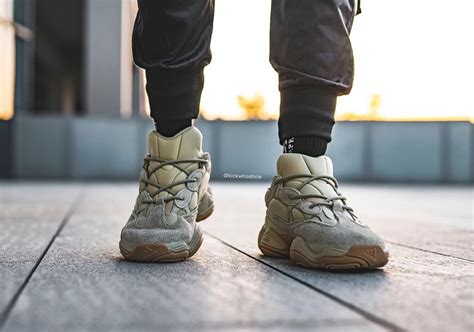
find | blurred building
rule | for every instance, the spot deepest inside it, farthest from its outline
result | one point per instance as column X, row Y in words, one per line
column 63, row 59
column 72, row 57
column 73, row 107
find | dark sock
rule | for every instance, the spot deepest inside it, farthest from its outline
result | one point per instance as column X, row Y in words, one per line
column 313, row 146
column 169, row 128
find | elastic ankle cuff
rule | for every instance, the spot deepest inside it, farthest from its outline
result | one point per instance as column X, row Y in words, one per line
column 309, row 145
column 307, row 111
column 174, row 94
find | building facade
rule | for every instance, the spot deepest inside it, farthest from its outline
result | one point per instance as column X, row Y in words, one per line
column 73, row 107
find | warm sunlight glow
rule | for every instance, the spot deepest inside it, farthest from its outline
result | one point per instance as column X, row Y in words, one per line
column 7, row 60
column 414, row 58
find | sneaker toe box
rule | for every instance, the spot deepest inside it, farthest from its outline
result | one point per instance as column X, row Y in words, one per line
column 181, row 231
column 344, row 235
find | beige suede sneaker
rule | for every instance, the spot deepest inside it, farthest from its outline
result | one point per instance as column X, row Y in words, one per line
column 173, row 195
column 309, row 221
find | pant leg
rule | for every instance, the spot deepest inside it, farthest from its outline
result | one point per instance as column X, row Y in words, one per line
column 171, row 41
column 311, row 51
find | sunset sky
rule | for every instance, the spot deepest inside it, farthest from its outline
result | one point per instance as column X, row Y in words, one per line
column 417, row 55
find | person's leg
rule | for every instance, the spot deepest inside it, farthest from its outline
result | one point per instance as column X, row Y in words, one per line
column 311, row 51
column 307, row 218
column 171, row 41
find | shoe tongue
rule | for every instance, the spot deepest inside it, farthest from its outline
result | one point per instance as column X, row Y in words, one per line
column 295, row 163
column 299, row 164
column 186, row 144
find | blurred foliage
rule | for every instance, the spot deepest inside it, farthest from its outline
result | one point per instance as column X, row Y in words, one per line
column 254, row 107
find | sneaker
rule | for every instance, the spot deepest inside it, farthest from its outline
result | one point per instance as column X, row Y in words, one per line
column 173, row 195
column 309, row 221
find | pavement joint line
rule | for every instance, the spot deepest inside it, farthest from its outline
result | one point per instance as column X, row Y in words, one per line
column 429, row 251
column 11, row 304
column 374, row 319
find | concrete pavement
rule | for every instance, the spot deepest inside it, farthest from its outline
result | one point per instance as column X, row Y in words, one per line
column 60, row 267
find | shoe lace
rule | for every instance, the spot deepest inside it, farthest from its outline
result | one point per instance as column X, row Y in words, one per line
column 327, row 201
column 162, row 188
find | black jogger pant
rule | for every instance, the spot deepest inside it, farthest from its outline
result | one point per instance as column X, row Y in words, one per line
column 309, row 48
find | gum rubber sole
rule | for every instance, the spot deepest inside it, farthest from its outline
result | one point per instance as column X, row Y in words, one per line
column 205, row 215
column 357, row 257
column 154, row 253
column 273, row 244
column 157, row 252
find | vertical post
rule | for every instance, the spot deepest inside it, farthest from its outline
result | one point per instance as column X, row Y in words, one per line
column 108, row 59
column 24, row 17
column 7, row 60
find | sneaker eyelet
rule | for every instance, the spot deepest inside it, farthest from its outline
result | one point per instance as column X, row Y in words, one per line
column 286, row 195
column 183, row 198
column 195, row 179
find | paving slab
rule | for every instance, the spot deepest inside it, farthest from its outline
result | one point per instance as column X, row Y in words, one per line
column 83, row 284
column 30, row 214
column 431, row 218
column 417, row 290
